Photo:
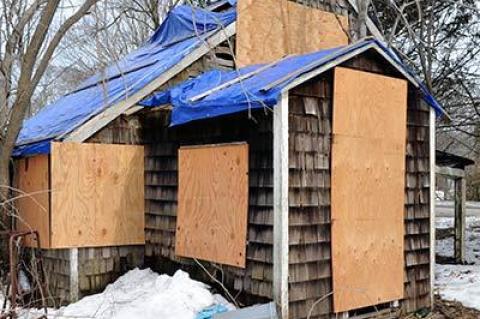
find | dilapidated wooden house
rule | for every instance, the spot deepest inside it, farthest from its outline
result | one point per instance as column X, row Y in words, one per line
column 305, row 179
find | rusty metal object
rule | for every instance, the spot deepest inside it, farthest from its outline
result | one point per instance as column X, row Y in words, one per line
column 13, row 239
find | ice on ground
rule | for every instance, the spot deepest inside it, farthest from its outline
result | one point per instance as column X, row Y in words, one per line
column 143, row 294
column 460, row 282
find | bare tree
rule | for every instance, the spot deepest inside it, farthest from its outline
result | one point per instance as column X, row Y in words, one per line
column 27, row 44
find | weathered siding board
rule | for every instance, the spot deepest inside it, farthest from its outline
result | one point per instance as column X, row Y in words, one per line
column 417, row 218
column 309, row 197
column 161, row 147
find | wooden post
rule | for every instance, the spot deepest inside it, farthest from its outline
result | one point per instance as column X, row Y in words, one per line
column 432, row 205
column 74, row 288
column 460, row 219
column 280, row 206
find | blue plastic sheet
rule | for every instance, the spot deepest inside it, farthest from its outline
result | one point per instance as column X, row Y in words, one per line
column 32, row 149
column 210, row 311
column 184, row 30
column 249, row 93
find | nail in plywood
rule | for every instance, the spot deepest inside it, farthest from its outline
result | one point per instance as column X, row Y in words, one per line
column 97, row 195
column 213, row 203
column 33, row 200
column 368, row 177
column 267, row 30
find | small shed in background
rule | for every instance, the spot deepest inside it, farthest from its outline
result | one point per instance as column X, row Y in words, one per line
column 452, row 167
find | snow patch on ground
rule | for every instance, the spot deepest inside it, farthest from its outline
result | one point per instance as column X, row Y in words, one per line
column 460, row 282
column 143, row 294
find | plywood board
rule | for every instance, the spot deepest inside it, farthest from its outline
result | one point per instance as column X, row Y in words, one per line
column 32, row 180
column 368, row 177
column 213, row 203
column 97, row 195
column 267, row 30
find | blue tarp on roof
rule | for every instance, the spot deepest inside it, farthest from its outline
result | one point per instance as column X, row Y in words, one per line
column 250, row 93
column 177, row 37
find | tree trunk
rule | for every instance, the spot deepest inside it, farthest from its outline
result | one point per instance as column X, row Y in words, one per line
column 5, row 222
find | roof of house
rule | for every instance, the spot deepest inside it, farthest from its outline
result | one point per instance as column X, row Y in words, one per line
column 185, row 30
column 185, row 36
column 217, row 93
column 451, row 160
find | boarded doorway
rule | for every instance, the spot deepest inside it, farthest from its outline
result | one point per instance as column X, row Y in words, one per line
column 368, row 177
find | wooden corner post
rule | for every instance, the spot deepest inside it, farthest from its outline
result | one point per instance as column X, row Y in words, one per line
column 280, row 205
column 432, row 204
column 460, row 219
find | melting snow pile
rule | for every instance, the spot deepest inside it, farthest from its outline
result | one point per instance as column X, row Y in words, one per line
column 144, row 294
column 460, row 282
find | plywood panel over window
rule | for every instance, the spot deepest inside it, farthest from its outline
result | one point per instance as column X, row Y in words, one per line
column 267, row 30
column 213, row 203
column 97, row 195
column 368, row 176
column 32, row 179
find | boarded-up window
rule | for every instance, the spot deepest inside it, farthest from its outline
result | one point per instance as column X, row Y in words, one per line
column 267, row 30
column 95, row 193
column 368, row 177
column 213, row 203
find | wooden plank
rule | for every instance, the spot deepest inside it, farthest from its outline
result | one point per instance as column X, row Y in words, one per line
column 368, row 173
column 433, row 164
column 460, row 219
column 32, row 179
column 213, row 203
column 99, row 121
column 97, row 195
column 271, row 29
column 280, row 208
column 449, row 171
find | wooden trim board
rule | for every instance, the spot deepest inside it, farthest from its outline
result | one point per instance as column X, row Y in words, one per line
column 432, row 204
column 280, row 208
column 213, row 203
column 368, row 179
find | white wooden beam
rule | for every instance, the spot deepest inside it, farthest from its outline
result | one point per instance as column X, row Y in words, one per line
column 432, row 205
column 329, row 65
column 74, row 286
column 109, row 114
column 280, row 206
column 450, row 172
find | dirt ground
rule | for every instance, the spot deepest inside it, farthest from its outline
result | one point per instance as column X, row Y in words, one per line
column 452, row 310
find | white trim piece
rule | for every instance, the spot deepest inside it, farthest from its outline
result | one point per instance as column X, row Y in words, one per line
column 432, row 205
column 109, row 114
column 450, row 171
column 74, row 288
column 317, row 71
column 280, row 206
column 235, row 80
column 133, row 109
